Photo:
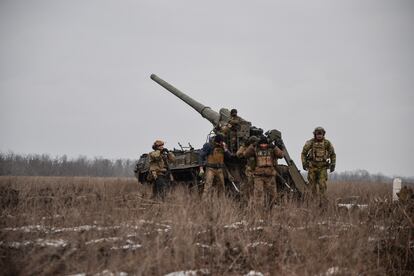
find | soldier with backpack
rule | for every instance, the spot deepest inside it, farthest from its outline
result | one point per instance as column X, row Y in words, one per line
column 264, row 171
column 159, row 172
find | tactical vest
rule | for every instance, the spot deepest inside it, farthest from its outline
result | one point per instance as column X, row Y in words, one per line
column 319, row 152
column 159, row 164
column 216, row 156
column 264, row 158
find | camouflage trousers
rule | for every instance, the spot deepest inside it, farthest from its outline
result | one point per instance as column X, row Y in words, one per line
column 264, row 190
column 160, row 187
column 214, row 181
column 247, row 188
column 317, row 177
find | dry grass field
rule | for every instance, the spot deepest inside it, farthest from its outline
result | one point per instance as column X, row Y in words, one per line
column 110, row 226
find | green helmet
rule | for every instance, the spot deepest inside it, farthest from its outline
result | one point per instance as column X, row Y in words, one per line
column 319, row 129
column 274, row 134
column 253, row 139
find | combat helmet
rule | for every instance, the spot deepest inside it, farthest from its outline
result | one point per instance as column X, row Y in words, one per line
column 157, row 144
column 252, row 140
column 319, row 129
column 218, row 138
column 263, row 140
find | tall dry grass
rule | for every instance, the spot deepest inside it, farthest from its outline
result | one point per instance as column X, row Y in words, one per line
column 68, row 225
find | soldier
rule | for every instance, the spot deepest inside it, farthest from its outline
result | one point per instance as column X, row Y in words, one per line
column 159, row 173
column 264, row 173
column 234, row 122
column 318, row 155
column 214, row 152
column 231, row 129
column 247, row 187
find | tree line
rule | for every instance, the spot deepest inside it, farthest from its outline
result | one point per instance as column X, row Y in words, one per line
column 45, row 165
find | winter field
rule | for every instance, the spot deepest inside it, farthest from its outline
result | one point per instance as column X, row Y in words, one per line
column 110, row 226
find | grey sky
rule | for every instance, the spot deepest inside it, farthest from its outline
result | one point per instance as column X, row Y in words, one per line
column 74, row 75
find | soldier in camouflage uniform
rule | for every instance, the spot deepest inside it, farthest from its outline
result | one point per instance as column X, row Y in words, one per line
column 230, row 130
column 212, row 155
column 159, row 173
column 264, row 173
column 247, row 187
column 318, row 155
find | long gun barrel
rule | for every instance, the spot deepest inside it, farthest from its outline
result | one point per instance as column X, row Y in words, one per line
column 205, row 111
column 222, row 117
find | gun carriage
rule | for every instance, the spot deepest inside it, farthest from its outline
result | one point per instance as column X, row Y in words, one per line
column 186, row 166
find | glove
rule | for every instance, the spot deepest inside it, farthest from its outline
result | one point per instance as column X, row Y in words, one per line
column 332, row 168
column 279, row 143
column 164, row 150
column 201, row 173
column 154, row 175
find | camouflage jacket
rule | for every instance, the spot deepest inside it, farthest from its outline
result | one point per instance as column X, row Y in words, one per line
column 250, row 162
column 235, row 122
column 158, row 161
column 318, row 152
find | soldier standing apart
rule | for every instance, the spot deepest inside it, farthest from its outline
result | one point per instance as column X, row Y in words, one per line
column 159, row 173
column 214, row 152
column 264, row 173
column 318, row 155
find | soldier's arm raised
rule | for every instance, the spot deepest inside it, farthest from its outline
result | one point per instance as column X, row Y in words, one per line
column 250, row 151
column 171, row 156
column 240, row 152
column 278, row 152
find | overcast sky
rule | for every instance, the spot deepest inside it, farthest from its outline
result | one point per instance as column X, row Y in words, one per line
column 75, row 75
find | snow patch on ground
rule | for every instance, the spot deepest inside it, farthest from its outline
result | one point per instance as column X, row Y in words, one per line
column 202, row 271
column 254, row 273
column 332, row 271
column 236, row 225
column 103, row 240
column 38, row 242
column 130, row 245
column 103, row 273
column 350, row 206
column 205, row 246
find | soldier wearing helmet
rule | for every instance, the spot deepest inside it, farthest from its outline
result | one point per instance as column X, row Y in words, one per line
column 231, row 130
column 246, row 188
column 212, row 155
column 318, row 155
column 264, row 171
column 159, row 173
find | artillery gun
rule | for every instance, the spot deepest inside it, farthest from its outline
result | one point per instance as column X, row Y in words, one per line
column 186, row 166
column 184, row 169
